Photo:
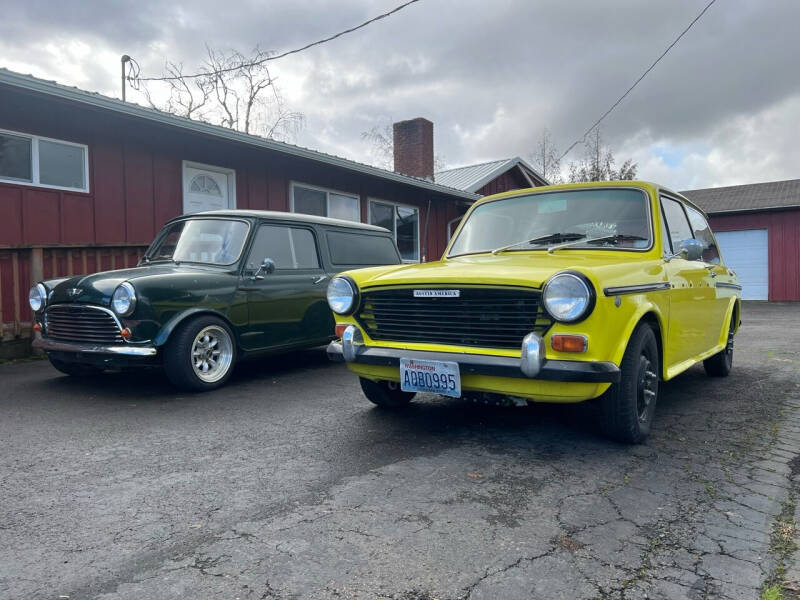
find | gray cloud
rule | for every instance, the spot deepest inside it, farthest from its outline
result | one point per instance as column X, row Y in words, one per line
column 490, row 75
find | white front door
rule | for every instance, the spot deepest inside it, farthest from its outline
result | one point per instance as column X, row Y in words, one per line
column 207, row 188
column 747, row 252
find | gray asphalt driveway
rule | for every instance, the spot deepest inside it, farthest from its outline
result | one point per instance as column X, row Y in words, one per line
column 288, row 484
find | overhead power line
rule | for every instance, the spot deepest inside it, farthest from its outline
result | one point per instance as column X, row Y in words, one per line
column 635, row 83
column 281, row 55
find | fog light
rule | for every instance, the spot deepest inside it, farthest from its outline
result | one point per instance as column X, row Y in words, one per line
column 125, row 333
column 569, row 343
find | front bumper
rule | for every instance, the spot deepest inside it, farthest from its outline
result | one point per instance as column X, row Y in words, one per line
column 81, row 348
column 480, row 364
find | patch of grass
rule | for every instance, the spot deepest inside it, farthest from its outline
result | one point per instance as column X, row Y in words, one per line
column 781, row 545
column 773, row 592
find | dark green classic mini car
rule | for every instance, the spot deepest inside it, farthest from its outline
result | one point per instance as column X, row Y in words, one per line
column 212, row 288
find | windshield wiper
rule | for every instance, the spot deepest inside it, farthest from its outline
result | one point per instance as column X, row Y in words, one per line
column 618, row 237
column 545, row 239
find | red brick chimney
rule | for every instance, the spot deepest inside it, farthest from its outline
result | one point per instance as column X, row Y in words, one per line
column 413, row 147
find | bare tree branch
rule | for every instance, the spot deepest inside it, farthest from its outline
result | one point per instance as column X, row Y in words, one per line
column 234, row 92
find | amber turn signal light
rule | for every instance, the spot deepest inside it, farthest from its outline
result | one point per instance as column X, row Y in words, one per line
column 37, row 326
column 339, row 330
column 569, row 343
column 125, row 333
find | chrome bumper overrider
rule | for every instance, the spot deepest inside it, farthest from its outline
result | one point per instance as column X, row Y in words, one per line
column 530, row 365
column 48, row 345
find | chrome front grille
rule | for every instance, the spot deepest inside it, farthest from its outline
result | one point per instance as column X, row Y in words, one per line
column 483, row 317
column 81, row 323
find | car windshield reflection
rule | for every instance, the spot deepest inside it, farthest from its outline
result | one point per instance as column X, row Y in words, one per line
column 600, row 218
column 209, row 241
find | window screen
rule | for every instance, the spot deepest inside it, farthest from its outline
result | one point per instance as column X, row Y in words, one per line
column 677, row 224
column 703, row 233
column 355, row 249
column 61, row 165
column 309, row 202
column 15, row 157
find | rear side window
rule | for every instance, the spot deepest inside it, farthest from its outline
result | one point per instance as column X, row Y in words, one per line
column 677, row 224
column 354, row 249
column 703, row 233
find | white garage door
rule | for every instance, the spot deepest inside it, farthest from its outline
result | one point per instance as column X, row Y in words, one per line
column 746, row 253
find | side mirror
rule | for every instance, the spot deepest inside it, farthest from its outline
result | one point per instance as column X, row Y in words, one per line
column 267, row 268
column 691, row 249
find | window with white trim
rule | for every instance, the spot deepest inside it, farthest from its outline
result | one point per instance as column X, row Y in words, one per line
column 311, row 200
column 43, row 162
column 402, row 221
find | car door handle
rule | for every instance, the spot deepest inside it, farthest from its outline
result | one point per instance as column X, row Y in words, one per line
column 318, row 279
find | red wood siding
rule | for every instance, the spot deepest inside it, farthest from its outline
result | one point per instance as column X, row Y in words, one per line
column 510, row 180
column 15, row 280
column 783, row 232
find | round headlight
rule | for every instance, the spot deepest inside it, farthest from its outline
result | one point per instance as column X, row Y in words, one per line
column 37, row 297
column 568, row 297
column 341, row 295
column 124, row 299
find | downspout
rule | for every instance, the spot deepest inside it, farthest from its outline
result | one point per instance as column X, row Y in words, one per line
column 425, row 237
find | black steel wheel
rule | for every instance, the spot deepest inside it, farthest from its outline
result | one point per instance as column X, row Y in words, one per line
column 721, row 363
column 627, row 407
column 386, row 394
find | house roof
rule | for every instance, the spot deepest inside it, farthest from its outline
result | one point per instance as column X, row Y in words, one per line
column 745, row 198
column 95, row 100
column 473, row 177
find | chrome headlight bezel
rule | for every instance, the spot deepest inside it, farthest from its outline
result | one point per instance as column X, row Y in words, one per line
column 584, row 297
column 123, row 300
column 37, row 297
column 342, row 295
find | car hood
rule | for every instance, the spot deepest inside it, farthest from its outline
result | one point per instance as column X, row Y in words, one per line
column 98, row 287
column 529, row 269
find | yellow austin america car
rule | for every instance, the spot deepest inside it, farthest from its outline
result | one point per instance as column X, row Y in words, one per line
column 563, row 293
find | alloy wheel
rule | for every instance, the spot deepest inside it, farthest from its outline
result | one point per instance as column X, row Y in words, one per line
column 212, row 353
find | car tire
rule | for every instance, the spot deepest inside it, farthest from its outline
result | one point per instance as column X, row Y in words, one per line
column 199, row 356
column 386, row 394
column 721, row 363
column 627, row 407
column 74, row 369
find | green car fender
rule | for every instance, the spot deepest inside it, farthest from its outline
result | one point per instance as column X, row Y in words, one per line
column 166, row 330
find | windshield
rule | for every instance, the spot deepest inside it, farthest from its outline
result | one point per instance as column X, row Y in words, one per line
column 606, row 218
column 212, row 241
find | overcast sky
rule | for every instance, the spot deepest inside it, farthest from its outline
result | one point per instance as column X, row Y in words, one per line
column 722, row 108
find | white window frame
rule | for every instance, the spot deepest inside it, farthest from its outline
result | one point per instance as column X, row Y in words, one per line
column 328, row 192
column 35, row 163
column 230, row 175
column 394, row 223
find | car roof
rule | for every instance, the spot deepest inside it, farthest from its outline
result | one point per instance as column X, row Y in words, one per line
column 592, row 184
column 284, row 216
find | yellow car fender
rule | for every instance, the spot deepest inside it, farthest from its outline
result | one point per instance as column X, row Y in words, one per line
column 643, row 309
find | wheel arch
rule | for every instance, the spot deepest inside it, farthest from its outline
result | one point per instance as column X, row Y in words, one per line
column 176, row 320
column 650, row 314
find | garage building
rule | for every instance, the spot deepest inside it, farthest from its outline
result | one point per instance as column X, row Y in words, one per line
column 758, row 230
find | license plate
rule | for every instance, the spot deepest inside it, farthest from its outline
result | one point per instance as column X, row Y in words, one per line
column 434, row 376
